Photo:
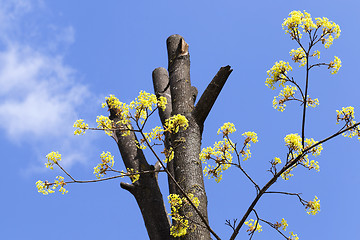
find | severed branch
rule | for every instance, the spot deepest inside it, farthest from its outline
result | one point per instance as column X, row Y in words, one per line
column 161, row 84
column 210, row 94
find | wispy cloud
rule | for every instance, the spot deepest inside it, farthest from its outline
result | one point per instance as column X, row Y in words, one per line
column 39, row 94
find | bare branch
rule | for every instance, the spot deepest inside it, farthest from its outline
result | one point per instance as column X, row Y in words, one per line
column 210, row 94
column 274, row 178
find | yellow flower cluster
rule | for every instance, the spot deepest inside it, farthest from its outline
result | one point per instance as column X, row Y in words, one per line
column 296, row 19
column 134, row 177
column 299, row 56
column 146, row 102
column 293, row 236
column 329, row 28
column 143, row 105
column 121, row 109
column 316, row 151
column 226, row 129
column 46, row 188
column 107, row 160
column 221, row 153
column 174, row 123
column 169, row 154
column 285, row 95
column 81, row 127
column 312, row 102
column 53, row 158
column 348, row 115
column 277, row 74
column 313, row 207
column 249, row 137
column 316, row 53
column 181, row 224
column 276, row 161
column 104, row 123
column 155, row 134
column 284, row 224
column 335, row 65
column 287, row 174
column 253, row 226
column 293, row 142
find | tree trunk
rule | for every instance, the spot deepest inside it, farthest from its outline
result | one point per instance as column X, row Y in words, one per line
column 186, row 167
column 186, row 143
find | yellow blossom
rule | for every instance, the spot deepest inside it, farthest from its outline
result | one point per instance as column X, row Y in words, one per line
column 174, row 123
column 133, row 177
column 181, row 225
column 293, row 236
column 156, row 133
column 249, row 137
column 104, row 123
column 60, row 182
column 285, row 175
column 316, row 151
column 293, row 141
column 316, row 53
column 162, row 103
column 81, row 127
column 330, row 31
column 277, row 161
column 53, row 158
column 46, row 187
column 284, row 224
column 226, row 129
column 348, row 115
column 120, row 109
column 285, row 95
column 169, row 154
column 221, row 153
column 313, row 207
column 253, row 226
column 335, row 65
column 277, row 74
column 312, row 102
column 107, row 160
column 43, row 187
column 298, row 56
column 292, row 23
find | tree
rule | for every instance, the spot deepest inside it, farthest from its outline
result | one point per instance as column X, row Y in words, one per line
column 183, row 120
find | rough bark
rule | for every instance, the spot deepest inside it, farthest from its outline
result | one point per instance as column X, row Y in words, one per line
column 162, row 88
column 186, row 143
column 186, row 168
column 146, row 190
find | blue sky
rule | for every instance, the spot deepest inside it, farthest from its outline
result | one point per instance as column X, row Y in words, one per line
column 59, row 59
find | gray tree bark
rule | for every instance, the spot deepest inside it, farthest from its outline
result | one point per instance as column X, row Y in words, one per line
column 185, row 168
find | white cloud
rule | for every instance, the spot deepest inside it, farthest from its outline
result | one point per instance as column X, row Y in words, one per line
column 40, row 95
